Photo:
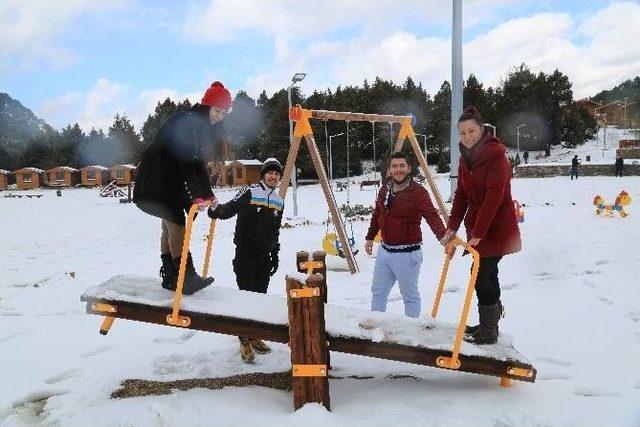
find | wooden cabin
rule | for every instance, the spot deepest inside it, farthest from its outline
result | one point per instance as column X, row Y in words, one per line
column 63, row 176
column 4, row 179
column 29, row 178
column 240, row 172
column 95, row 175
column 123, row 174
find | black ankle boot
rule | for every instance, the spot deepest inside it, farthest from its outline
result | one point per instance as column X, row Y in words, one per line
column 192, row 281
column 487, row 333
column 470, row 330
column 168, row 272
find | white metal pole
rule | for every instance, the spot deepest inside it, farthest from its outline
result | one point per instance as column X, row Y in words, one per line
column 294, row 180
column 456, row 92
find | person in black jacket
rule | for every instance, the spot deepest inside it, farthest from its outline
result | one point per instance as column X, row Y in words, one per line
column 619, row 166
column 172, row 176
column 574, row 167
column 259, row 209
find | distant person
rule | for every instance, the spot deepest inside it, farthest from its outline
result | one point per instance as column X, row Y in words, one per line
column 574, row 167
column 525, row 156
column 173, row 176
column 619, row 166
column 483, row 200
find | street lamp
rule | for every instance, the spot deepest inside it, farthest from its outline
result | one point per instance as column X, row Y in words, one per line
column 330, row 158
column 424, row 137
column 518, row 136
column 297, row 77
column 495, row 130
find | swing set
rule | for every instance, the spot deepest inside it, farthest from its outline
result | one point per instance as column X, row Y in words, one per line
column 338, row 243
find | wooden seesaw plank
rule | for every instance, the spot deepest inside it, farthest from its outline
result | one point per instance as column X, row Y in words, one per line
column 359, row 332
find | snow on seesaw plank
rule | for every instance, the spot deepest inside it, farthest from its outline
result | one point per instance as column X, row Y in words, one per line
column 571, row 302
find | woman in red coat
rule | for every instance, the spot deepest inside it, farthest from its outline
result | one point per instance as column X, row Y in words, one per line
column 483, row 200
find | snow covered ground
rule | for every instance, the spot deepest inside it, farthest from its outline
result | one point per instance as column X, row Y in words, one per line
column 595, row 148
column 572, row 307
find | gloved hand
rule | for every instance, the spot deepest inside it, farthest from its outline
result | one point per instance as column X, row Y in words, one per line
column 274, row 263
column 202, row 202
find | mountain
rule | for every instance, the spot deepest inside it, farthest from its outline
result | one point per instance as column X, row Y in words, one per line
column 18, row 126
column 629, row 89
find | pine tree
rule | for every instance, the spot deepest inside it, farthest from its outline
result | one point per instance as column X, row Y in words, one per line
column 123, row 140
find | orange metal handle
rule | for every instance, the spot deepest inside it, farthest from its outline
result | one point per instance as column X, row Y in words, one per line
column 453, row 362
column 175, row 317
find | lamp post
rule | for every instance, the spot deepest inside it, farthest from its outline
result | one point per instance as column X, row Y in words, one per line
column 495, row 130
column 518, row 136
column 330, row 159
column 297, row 77
column 424, row 137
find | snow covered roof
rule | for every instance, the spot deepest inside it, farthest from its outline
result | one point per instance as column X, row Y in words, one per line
column 64, row 168
column 4, row 171
column 30, row 169
column 249, row 162
column 102, row 168
column 127, row 166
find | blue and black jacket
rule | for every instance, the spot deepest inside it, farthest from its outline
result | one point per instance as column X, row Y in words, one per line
column 259, row 209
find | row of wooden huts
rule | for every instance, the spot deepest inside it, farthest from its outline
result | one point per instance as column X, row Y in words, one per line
column 64, row 176
column 229, row 173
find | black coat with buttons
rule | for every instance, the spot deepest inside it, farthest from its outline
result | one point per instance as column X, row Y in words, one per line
column 173, row 171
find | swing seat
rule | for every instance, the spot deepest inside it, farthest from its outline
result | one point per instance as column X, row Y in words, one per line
column 331, row 245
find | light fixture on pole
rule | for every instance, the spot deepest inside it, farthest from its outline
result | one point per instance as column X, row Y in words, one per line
column 518, row 136
column 297, row 77
column 424, row 137
column 330, row 159
column 495, row 130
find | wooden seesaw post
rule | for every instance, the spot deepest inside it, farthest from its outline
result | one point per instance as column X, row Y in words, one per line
column 307, row 340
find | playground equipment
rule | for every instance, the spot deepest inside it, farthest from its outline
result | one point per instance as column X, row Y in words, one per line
column 519, row 211
column 303, row 129
column 623, row 199
column 330, row 242
column 310, row 327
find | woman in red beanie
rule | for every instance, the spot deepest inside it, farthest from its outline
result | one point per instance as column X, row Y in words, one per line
column 173, row 176
column 483, row 199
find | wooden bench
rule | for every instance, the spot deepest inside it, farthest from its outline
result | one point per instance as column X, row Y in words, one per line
column 367, row 183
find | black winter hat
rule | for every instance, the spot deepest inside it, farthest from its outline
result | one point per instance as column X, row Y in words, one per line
column 271, row 164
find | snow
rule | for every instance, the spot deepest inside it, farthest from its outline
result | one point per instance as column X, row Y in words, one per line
column 571, row 296
column 31, row 169
column 600, row 154
column 340, row 321
column 5, row 172
column 127, row 166
column 99, row 167
column 64, row 168
column 249, row 162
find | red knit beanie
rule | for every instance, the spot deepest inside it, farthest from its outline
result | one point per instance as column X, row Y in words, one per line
column 217, row 96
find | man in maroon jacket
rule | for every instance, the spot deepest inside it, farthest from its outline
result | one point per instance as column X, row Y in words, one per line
column 400, row 207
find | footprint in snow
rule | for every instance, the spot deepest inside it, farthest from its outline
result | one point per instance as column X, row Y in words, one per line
column 604, row 299
column 179, row 340
column 553, row 376
column 62, row 376
column 95, row 351
column 452, row 289
column 509, row 286
column 593, row 392
column 554, row 361
column 602, row 262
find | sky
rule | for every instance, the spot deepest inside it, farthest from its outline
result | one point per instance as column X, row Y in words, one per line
column 84, row 61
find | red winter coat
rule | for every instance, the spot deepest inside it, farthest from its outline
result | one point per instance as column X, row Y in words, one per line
column 400, row 225
column 484, row 195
